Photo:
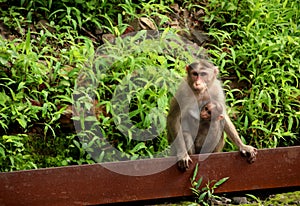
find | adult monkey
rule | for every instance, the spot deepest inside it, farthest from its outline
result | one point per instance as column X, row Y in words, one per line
column 200, row 86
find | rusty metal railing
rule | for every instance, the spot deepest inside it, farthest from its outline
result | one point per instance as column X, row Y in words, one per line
column 96, row 184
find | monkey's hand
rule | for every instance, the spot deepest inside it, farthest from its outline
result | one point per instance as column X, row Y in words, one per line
column 249, row 152
column 183, row 163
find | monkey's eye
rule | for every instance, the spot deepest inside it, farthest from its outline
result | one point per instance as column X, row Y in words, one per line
column 195, row 74
column 202, row 74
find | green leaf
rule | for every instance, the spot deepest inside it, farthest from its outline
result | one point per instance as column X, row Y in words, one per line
column 2, row 152
column 250, row 25
column 195, row 172
column 22, row 122
column 199, row 183
column 138, row 147
column 195, row 191
column 21, row 86
column 221, row 181
column 202, row 196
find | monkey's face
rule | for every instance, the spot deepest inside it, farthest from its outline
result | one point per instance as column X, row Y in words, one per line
column 199, row 79
column 205, row 113
column 211, row 111
column 200, row 76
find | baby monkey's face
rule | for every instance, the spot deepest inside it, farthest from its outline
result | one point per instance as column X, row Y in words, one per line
column 205, row 113
column 210, row 111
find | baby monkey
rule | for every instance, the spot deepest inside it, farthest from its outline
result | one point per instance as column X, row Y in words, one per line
column 211, row 111
column 210, row 136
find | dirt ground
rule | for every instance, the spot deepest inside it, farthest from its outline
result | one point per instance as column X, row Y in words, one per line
column 262, row 198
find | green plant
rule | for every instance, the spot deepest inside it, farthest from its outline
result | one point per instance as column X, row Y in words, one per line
column 255, row 46
column 205, row 194
column 256, row 199
column 36, row 83
column 44, row 67
column 132, row 80
column 41, row 63
column 155, row 10
column 81, row 16
column 118, row 29
column 14, row 155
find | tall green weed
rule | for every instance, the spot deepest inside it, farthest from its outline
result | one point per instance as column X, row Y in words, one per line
column 259, row 43
column 132, row 80
column 120, row 93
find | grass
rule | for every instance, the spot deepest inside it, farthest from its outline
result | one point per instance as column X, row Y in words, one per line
column 260, row 46
column 120, row 91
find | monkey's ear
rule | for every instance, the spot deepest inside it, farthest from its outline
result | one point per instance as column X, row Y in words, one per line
column 187, row 68
column 216, row 70
column 220, row 117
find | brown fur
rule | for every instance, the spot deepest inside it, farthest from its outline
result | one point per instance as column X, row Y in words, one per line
column 200, row 86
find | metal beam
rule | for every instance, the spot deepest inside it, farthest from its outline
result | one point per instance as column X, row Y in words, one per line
column 101, row 183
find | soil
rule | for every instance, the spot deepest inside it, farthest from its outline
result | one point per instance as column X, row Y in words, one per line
column 288, row 198
column 261, row 198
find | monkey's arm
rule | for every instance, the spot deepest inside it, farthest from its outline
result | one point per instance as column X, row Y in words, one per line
column 247, row 150
column 176, row 137
column 183, row 142
column 182, row 154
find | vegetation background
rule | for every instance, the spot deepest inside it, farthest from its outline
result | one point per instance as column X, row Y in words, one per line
column 59, row 54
